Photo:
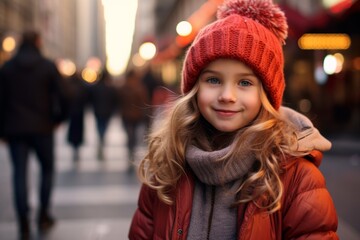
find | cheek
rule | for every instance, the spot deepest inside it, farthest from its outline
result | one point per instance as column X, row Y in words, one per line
column 202, row 102
column 252, row 101
column 256, row 104
column 203, row 99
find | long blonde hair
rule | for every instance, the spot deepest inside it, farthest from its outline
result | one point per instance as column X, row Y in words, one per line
column 181, row 125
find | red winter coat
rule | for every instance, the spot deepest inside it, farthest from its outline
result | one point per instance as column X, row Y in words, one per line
column 307, row 210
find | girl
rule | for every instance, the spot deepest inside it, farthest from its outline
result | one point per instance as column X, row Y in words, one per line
column 228, row 162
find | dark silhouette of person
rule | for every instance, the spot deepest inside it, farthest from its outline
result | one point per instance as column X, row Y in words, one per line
column 32, row 103
column 103, row 100
column 151, row 81
column 133, row 109
column 79, row 99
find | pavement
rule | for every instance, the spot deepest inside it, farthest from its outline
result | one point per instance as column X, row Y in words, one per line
column 95, row 200
column 341, row 168
column 92, row 199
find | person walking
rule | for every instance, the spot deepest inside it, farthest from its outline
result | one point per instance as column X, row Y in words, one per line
column 133, row 110
column 228, row 161
column 79, row 100
column 32, row 103
column 103, row 100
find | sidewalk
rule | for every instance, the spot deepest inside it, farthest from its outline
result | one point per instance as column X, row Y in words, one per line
column 341, row 168
column 92, row 200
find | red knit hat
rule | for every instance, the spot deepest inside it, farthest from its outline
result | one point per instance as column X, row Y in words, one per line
column 251, row 31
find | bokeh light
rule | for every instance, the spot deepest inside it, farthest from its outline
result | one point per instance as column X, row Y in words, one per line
column 147, row 50
column 9, row 44
column 119, row 30
column 183, row 28
column 66, row 67
column 329, row 64
column 89, row 75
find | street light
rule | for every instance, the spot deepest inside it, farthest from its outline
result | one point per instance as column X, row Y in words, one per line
column 66, row 67
column 9, row 44
column 183, row 28
column 147, row 50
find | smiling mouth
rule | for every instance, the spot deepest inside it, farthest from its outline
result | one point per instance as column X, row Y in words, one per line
column 223, row 112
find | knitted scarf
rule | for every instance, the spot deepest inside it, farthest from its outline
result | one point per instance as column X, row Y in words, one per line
column 213, row 216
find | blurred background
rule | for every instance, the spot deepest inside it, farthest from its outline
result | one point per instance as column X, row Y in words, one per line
column 95, row 199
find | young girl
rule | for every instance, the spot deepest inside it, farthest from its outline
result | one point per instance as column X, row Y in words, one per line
column 228, row 162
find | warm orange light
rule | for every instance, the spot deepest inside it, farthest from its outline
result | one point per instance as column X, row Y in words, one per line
column 182, row 41
column 9, row 44
column 324, row 41
column 89, row 75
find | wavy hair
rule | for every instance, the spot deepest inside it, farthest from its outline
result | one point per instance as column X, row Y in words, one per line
column 271, row 140
column 269, row 136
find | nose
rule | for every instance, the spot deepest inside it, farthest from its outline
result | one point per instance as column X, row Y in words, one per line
column 227, row 94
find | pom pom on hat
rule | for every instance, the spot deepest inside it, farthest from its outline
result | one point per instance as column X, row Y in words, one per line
column 251, row 31
column 261, row 11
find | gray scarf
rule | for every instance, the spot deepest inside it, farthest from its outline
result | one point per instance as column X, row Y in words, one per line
column 210, row 170
column 215, row 189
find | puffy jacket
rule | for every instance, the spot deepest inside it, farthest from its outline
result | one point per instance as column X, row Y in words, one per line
column 302, row 215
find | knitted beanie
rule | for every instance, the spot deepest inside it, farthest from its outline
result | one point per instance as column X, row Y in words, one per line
column 252, row 31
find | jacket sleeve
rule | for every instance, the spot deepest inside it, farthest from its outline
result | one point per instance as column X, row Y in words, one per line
column 142, row 225
column 309, row 212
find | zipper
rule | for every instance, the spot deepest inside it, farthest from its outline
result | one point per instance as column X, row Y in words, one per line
column 211, row 212
column 173, row 223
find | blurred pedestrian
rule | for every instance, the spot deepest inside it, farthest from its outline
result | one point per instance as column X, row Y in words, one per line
column 79, row 99
column 228, row 161
column 32, row 103
column 151, row 82
column 162, row 97
column 103, row 100
column 133, row 107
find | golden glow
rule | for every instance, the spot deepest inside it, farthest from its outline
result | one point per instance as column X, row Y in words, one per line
column 9, row 44
column 89, row 75
column 119, row 30
column 66, row 67
column 324, row 41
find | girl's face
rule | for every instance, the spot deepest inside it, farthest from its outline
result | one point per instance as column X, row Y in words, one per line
column 229, row 95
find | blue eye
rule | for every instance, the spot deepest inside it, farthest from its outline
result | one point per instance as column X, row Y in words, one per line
column 245, row 83
column 213, row 80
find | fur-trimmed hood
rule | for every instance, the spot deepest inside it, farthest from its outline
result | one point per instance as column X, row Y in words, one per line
column 309, row 137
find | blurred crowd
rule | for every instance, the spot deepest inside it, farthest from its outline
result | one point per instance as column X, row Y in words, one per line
column 35, row 98
column 135, row 97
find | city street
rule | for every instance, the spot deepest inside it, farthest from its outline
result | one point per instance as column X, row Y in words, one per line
column 92, row 199
column 95, row 200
